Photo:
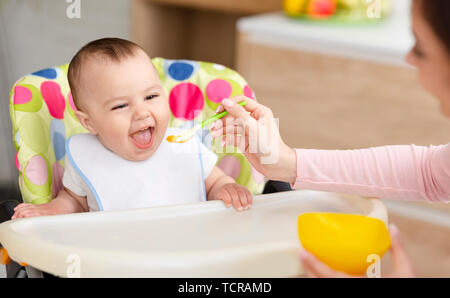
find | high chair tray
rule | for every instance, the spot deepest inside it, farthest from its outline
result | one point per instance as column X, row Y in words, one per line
column 193, row 240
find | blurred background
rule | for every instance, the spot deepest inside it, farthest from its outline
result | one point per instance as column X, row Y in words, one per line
column 335, row 79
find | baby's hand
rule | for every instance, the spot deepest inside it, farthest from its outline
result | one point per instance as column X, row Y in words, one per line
column 236, row 195
column 30, row 210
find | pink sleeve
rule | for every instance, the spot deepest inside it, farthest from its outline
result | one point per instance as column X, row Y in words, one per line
column 394, row 172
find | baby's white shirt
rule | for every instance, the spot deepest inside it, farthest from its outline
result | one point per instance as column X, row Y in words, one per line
column 174, row 174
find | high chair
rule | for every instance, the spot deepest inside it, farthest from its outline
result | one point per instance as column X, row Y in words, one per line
column 42, row 115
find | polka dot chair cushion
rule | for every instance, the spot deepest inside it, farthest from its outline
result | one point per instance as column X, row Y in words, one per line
column 42, row 116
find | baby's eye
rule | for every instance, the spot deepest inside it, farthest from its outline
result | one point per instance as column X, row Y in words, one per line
column 150, row 97
column 119, row 107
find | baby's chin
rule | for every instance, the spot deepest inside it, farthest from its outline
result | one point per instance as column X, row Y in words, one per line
column 139, row 157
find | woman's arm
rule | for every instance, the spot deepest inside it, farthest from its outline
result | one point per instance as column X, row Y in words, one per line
column 396, row 172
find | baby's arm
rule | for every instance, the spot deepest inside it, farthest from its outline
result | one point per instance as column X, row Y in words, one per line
column 222, row 187
column 65, row 202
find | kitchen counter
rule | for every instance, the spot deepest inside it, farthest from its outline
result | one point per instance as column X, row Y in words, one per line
column 386, row 41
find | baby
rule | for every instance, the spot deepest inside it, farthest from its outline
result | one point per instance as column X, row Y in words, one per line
column 126, row 162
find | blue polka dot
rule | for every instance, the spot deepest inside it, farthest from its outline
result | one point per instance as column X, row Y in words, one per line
column 49, row 73
column 59, row 142
column 58, row 136
column 180, row 71
column 18, row 139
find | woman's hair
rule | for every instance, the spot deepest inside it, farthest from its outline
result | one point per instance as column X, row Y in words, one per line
column 437, row 14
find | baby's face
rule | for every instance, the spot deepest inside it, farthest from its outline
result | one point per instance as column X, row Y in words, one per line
column 125, row 105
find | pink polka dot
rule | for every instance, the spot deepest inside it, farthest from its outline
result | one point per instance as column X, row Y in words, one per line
column 231, row 166
column 259, row 178
column 72, row 104
column 36, row 170
column 218, row 89
column 57, row 175
column 249, row 92
column 22, row 95
column 18, row 165
column 186, row 101
column 51, row 92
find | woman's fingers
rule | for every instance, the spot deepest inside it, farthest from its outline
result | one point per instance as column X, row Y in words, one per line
column 254, row 130
column 235, row 141
column 227, row 129
column 250, row 104
column 315, row 268
column 402, row 264
column 230, row 121
column 238, row 111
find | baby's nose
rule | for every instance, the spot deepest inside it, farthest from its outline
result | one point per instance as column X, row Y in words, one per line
column 142, row 113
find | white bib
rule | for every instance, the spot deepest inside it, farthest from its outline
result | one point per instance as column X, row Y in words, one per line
column 174, row 174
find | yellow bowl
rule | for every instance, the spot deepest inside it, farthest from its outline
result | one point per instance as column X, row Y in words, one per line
column 343, row 241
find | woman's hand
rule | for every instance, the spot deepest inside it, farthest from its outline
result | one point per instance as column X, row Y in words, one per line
column 254, row 131
column 402, row 265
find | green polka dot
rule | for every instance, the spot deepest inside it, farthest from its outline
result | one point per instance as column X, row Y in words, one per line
column 42, row 200
column 64, row 68
column 158, row 63
column 245, row 174
column 17, row 140
column 34, row 133
column 216, row 70
column 69, row 110
column 34, row 104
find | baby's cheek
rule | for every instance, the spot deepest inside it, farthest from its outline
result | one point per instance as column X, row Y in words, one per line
column 115, row 133
column 163, row 114
column 165, row 110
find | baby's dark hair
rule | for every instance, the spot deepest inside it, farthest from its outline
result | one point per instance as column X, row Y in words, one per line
column 114, row 49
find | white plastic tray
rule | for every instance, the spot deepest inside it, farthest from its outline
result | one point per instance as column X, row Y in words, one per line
column 194, row 240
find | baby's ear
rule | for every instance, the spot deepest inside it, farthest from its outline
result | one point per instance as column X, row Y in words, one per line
column 85, row 121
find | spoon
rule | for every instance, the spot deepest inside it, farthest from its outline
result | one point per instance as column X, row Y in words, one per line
column 184, row 137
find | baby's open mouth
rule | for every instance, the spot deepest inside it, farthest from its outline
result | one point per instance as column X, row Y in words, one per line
column 143, row 138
